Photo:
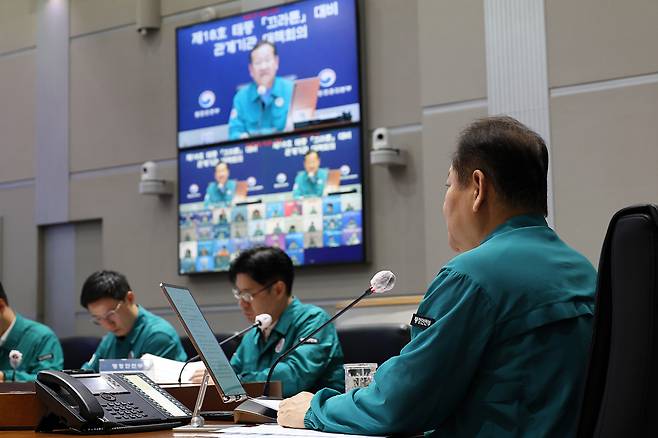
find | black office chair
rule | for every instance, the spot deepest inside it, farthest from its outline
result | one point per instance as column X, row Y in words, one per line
column 621, row 387
column 229, row 348
column 188, row 347
column 78, row 350
column 232, row 345
column 373, row 343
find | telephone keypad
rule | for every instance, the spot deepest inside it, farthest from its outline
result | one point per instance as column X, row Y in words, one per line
column 123, row 410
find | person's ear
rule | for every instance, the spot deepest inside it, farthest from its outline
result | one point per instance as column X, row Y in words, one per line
column 279, row 288
column 480, row 186
column 130, row 297
column 3, row 304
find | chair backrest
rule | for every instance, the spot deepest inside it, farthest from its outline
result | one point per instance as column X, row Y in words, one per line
column 229, row 348
column 373, row 343
column 78, row 350
column 621, row 385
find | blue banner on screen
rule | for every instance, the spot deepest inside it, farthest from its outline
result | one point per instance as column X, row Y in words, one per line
column 300, row 192
column 231, row 86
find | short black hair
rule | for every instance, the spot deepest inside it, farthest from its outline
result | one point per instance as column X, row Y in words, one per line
column 511, row 155
column 312, row 151
column 265, row 265
column 260, row 44
column 3, row 295
column 104, row 284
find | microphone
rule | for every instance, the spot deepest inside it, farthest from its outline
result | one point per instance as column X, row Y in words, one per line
column 383, row 281
column 262, row 321
column 15, row 359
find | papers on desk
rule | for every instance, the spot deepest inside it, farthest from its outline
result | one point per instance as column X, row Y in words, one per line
column 209, row 430
column 167, row 370
column 272, row 404
column 275, row 431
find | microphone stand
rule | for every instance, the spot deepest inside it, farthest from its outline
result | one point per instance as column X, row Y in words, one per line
column 197, row 420
column 266, row 389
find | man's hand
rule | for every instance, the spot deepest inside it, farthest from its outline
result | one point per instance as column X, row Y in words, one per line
column 2, row 376
column 292, row 410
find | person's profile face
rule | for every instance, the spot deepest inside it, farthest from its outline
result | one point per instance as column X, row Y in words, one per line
column 311, row 163
column 221, row 173
column 457, row 212
column 263, row 300
column 113, row 315
column 263, row 65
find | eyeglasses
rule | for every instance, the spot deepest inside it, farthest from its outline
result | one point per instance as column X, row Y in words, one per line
column 110, row 314
column 249, row 297
column 266, row 62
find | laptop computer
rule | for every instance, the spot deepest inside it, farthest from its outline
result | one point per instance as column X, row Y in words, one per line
column 251, row 410
column 303, row 103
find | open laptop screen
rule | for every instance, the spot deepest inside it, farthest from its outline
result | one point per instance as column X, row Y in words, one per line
column 204, row 341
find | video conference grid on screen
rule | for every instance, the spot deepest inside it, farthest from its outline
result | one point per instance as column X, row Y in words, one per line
column 225, row 93
column 256, row 93
column 269, row 199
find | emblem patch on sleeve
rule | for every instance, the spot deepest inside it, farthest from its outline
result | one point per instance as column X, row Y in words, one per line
column 421, row 321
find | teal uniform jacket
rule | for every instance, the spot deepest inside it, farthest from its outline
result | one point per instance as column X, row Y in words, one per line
column 40, row 347
column 187, row 264
column 314, row 365
column 251, row 115
column 307, row 187
column 216, row 196
column 150, row 334
column 504, row 354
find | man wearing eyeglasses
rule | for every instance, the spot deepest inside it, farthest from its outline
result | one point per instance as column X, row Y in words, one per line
column 263, row 280
column 132, row 330
column 261, row 107
column 39, row 347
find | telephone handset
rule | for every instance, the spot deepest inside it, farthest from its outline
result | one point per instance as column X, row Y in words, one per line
column 106, row 403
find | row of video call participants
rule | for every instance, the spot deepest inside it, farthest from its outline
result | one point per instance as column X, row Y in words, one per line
column 260, row 228
column 267, row 210
column 284, row 241
column 216, row 255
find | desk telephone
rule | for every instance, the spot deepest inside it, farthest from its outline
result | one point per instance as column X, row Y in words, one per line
column 106, row 403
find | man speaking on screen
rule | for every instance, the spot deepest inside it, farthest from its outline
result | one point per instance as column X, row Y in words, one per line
column 311, row 181
column 261, row 107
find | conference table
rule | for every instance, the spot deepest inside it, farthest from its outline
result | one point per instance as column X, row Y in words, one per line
column 19, row 406
column 33, row 434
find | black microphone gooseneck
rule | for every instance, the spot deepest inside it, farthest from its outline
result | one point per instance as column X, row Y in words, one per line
column 230, row 338
column 266, row 389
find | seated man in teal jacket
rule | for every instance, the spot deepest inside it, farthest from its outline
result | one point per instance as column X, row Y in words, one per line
column 311, row 181
column 263, row 284
column 132, row 330
column 500, row 341
column 261, row 107
column 220, row 193
column 38, row 345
